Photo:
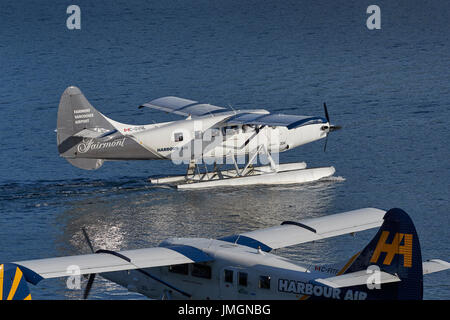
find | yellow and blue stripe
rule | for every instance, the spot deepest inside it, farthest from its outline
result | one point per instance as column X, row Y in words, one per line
column 13, row 282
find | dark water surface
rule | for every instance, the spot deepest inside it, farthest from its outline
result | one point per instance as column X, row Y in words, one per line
column 388, row 88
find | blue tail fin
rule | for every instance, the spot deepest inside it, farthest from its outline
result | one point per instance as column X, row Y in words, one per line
column 13, row 282
column 395, row 249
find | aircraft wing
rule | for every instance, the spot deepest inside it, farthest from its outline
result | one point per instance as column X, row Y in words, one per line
column 291, row 233
column 109, row 261
column 183, row 107
column 186, row 107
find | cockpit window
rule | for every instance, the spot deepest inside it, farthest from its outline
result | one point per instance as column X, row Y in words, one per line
column 230, row 130
column 201, row 271
column 179, row 268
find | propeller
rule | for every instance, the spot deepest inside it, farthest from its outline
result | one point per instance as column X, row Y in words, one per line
column 330, row 127
column 92, row 275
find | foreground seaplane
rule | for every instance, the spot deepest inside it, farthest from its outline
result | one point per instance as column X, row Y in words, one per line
column 243, row 267
column 207, row 136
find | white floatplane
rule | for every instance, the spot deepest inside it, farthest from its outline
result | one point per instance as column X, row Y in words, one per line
column 220, row 146
column 242, row 266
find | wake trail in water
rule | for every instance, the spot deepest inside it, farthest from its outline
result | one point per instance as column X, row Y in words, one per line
column 58, row 189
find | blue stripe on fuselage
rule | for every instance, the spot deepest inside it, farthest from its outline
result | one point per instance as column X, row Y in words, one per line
column 192, row 253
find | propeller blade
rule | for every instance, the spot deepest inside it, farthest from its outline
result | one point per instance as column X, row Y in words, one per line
column 87, row 239
column 330, row 127
column 326, row 112
column 89, row 285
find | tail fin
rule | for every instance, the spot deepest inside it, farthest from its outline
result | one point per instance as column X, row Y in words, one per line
column 395, row 249
column 78, row 119
column 13, row 281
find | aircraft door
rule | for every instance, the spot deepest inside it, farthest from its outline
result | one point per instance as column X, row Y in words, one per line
column 278, row 139
column 228, row 283
column 283, row 133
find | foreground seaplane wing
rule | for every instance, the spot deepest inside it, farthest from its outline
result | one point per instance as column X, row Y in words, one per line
column 109, row 261
column 291, row 233
column 14, row 276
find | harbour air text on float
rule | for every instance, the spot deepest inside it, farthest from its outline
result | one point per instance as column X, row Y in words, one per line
column 220, row 147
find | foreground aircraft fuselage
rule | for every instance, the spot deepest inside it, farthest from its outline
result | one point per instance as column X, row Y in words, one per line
column 86, row 137
column 237, row 272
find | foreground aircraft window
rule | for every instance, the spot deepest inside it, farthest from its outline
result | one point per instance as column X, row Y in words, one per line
column 201, row 271
column 264, row 282
column 229, row 276
column 243, row 279
column 179, row 268
column 178, row 136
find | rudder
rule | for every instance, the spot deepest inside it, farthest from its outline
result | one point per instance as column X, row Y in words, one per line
column 395, row 249
column 78, row 119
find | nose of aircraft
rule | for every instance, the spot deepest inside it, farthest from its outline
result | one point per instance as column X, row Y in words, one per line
column 328, row 127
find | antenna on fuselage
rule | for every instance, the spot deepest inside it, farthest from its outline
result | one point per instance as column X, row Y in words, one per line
column 237, row 239
column 229, row 105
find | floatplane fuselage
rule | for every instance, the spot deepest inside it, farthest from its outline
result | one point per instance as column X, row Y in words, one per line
column 184, row 139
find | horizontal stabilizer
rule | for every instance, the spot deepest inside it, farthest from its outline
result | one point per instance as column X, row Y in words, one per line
column 435, row 265
column 86, row 164
column 94, row 133
column 358, row 278
column 364, row 277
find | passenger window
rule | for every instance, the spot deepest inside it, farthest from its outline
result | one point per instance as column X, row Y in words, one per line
column 178, row 136
column 198, row 135
column 230, row 130
column 215, row 132
column 179, row 268
column 228, row 276
column 264, row 282
column 243, row 279
column 201, row 271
